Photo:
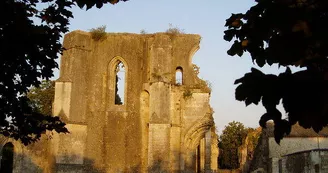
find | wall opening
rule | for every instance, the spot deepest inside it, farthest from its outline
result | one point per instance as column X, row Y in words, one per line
column 178, row 76
column 198, row 167
column 7, row 159
column 119, row 83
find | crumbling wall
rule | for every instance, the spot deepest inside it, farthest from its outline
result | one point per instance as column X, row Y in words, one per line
column 160, row 124
column 148, row 131
column 308, row 161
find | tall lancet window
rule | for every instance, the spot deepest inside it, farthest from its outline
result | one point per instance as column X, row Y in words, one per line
column 120, row 83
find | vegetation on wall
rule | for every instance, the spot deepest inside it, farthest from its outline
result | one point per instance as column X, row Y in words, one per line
column 99, row 33
column 174, row 30
column 143, row 31
column 187, row 94
column 287, row 33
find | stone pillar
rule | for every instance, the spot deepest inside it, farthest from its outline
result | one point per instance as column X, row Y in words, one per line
column 275, row 165
column 175, row 144
column 214, row 153
column 159, row 104
column 62, row 100
column 202, row 153
column 159, row 147
column 208, row 143
column 190, row 161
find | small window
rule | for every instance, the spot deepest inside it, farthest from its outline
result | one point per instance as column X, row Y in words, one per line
column 119, row 83
column 7, row 159
column 178, row 76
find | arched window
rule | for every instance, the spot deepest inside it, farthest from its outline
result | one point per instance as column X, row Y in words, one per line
column 119, row 83
column 7, row 158
column 178, row 76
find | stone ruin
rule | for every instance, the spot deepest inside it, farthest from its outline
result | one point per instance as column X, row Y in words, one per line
column 161, row 122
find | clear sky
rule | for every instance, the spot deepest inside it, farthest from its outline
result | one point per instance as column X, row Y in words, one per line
column 206, row 18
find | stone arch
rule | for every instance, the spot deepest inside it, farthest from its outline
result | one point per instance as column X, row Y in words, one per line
column 192, row 52
column 192, row 140
column 111, row 70
column 17, row 152
column 197, row 132
column 7, row 158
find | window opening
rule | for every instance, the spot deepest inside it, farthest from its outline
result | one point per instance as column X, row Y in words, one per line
column 119, row 83
column 178, row 76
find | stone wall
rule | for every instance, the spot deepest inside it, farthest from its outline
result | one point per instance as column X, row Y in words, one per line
column 161, row 122
column 307, row 161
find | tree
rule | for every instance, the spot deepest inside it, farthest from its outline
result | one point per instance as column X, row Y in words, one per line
column 27, row 54
column 41, row 98
column 288, row 33
column 231, row 139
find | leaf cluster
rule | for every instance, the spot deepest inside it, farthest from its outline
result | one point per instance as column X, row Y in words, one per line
column 41, row 98
column 287, row 33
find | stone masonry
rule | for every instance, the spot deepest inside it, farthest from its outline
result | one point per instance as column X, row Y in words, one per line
column 162, row 125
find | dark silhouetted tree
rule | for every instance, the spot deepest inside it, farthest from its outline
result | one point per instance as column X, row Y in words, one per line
column 27, row 54
column 287, row 33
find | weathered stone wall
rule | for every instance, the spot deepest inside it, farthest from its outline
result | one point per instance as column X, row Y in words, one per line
column 35, row 158
column 310, row 161
column 295, row 144
column 160, row 124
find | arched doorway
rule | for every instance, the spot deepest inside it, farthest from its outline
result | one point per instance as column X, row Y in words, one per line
column 7, row 158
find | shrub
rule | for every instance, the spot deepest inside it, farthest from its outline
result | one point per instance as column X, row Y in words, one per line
column 98, row 33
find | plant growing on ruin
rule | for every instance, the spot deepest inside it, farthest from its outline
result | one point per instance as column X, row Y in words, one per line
column 99, row 33
column 187, row 94
column 196, row 69
column 143, row 31
column 286, row 33
column 27, row 55
column 157, row 76
column 174, row 30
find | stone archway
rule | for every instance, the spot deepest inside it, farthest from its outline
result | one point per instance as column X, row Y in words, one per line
column 7, row 158
column 198, row 145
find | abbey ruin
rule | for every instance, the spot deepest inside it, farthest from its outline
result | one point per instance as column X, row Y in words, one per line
column 161, row 123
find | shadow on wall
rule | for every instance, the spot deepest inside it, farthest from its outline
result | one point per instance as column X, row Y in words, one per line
column 24, row 163
column 66, row 164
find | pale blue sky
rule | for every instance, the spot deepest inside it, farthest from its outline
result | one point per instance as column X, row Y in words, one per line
column 206, row 18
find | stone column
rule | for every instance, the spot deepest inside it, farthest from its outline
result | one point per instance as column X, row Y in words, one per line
column 208, row 146
column 190, row 161
column 159, row 104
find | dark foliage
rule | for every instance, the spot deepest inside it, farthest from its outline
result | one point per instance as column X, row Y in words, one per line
column 231, row 139
column 287, row 33
column 27, row 53
column 41, row 98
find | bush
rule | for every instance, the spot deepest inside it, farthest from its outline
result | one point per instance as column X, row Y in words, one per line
column 98, row 33
column 174, row 30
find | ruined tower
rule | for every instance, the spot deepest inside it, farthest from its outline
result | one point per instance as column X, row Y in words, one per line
column 164, row 121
